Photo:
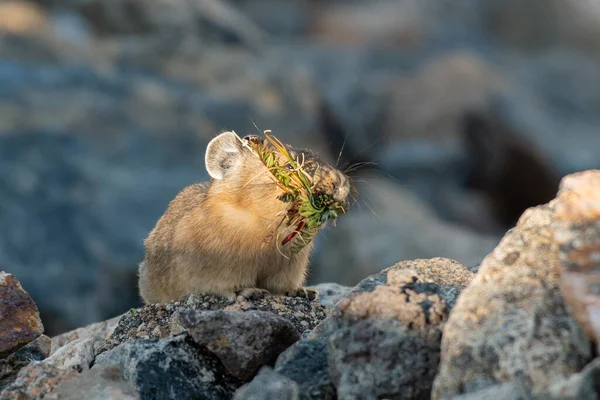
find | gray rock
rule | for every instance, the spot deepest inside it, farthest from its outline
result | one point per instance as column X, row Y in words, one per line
column 97, row 332
column 305, row 362
column 172, row 368
column 155, row 321
column 77, row 355
column 387, row 339
column 37, row 380
column 100, row 383
column 244, row 342
column 582, row 385
column 331, row 293
column 10, row 366
column 511, row 324
column 267, row 385
column 383, row 339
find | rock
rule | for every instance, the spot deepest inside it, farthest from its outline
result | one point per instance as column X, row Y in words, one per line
column 77, row 355
column 40, row 378
column 99, row 383
column 10, row 366
column 244, row 342
column 36, row 380
column 578, row 235
column 381, row 340
column 20, row 321
column 387, row 342
column 511, row 324
column 268, row 384
column 305, row 363
column 331, row 293
column 155, row 321
column 98, row 331
column 172, row 368
column 582, row 385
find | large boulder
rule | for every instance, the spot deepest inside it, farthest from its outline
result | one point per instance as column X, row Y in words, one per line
column 511, row 324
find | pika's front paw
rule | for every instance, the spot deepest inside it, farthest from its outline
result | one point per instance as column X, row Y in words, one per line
column 253, row 293
column 304, row 293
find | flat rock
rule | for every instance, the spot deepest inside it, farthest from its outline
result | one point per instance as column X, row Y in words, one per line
column 244, row 342
column 267, row 385
column 511, row 324
column 10, row 366
column 172, row 368
column 20, row 321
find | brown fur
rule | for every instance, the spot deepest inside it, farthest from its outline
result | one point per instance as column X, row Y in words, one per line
column 224, row 236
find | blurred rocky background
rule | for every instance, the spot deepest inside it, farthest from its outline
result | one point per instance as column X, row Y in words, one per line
column 452, row 117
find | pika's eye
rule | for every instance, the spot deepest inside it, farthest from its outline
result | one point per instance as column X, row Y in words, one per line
column 289, row 166
column 252, row 138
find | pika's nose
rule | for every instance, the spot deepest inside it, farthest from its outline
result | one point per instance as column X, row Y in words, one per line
column 342, row 191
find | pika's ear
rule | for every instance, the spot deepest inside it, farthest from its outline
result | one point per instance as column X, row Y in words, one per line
column 223, row 153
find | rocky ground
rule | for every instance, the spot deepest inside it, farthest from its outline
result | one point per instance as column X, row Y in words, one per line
column 471, row 110
column 519, row 326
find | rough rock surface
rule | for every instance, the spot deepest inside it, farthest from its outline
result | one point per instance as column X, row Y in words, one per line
column 97, row 332
column 20, row 321
column 174, row 368
column 40, row 378
column 578, row 235
column 383, row 339
column 511, row 324
column 331, row 293
column 10, row 366
column 36, row 380
column 244, row 342
column 155, row 321
column 99, row 383
column 387, row 339
column 267, row 385
column 198, row 346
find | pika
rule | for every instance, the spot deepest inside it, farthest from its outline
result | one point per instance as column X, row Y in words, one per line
column 223, row 237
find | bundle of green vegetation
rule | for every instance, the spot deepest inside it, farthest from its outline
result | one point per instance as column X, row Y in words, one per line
column 309, row 208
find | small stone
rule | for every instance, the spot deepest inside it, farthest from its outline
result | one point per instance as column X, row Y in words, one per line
column 244, row 342
column 20, row 321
